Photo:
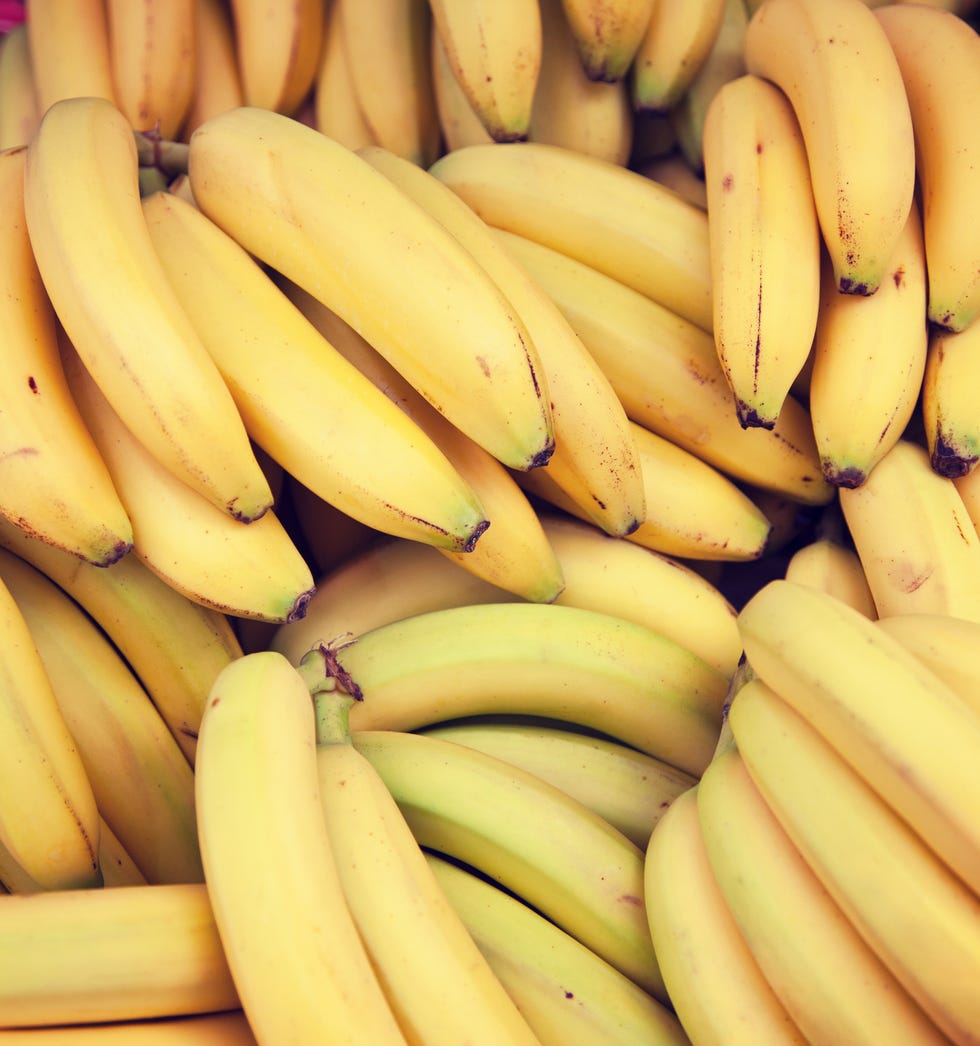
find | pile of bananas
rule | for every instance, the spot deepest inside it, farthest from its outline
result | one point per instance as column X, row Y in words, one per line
column 489, row 522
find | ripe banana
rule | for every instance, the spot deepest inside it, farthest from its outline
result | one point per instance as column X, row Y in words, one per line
column 938, row 54
column 596, row 212
column 227, row 1028
column 532, row 838
column 117, row 864
column 832, row 984
column 625, row 787
column 824, row 54
column 143, row 785
column 949, row 400
column 217, row 83
column 765, row 244
column 458, row 121
column 868, row 363
column 835, row 568
column 298, row 964
column 440, row 987
column 607, row 35
column 111, row 294
column 255, row 172
column 53, row 482
column 594, row 445
column 19, row 114
column 715, row 985
column 543, row 660
column 494, row 51
column 336, row 110
column 667, row 375
column 566, row 991
column 309, row 408
column 918, row 546
column 897, row 724
column 868, row 858
column 134, row 952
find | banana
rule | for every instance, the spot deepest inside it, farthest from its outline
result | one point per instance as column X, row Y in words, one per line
column 143, row 785
column 538, row 659
column 252, row 571
column 607, row 35
column 387, row 46
column 111, row 294
column 674, row 172
column 938, row 54
column 567, row 993
column 53, row 480
column 337, row 111
column 596, row 212
column 440, row 987
column 117, row 864
column 300, row 969
column 678, row 39
column 897, row 724
column 19, row 114
column 594, row 444
column 834, row 568
column 69, row 47
column 278, row 50
column 134, row 952
column 667, row 375
column 571, row 109
column 459, row 123
column 152, row 57
column 695, row 511
column 532, row 838
column 174, row 645
column 765, row 244
column 832, row 984
column 625, row 787
column 474, row 350
column 228, row 1028
column 868, row 858
column 915, row 539
column 310, row 409
column 868, row 362
column 217, row 85
column 824, row 54
column 949, row 401
column 494, row 51
column 715, row 985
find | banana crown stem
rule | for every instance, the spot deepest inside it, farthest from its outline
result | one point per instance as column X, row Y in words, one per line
column 333, row 693
column 167, row 157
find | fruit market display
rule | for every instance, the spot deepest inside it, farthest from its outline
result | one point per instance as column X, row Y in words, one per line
column 489, row 522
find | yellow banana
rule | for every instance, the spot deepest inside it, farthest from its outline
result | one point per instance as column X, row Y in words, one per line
column 217, row 83
column 607, row 35
column 300, row 969
column 459, row 123
column 227, row 1028
column 949, row 400
column 117, row 864
column 53, row 481
column 110, row 293
column 824, row 54
column 19, row 114
column 834, row 568
column 474, row 350
column 494, row 51
column 765, row 244
column 337, row 111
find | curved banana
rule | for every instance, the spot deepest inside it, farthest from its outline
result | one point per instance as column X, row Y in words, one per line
column 566, row 991
column 111, row 294
column 19, row 114
column 674, row 47
column 278, row 50
column 949, row 400
column 938, row 54
column 834, row 568
column 542, row 660
column 254, row 172
column 868, row 858
column 87, row 956
column 667, row 375
column 246, row 570
column 53, row 481
column 598, row 213
column 336, row 109
column 824, row 54
column 594, row 445
column 226, row 1028
column 493, row 48
column 143, row 785
column 300, row 968
column 459, row 123
column 309, row 408
column 868, row 362
column 715, row 985
column 607, row 35
column 916, row 541
column 529, row 836
column 627, row 788
column 832, row 984
column 897, row 724
column 440, row 987
column 765, row 244
column 217, row 83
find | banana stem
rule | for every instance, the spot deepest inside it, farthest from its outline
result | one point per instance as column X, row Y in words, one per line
column 170, row 158
column 333, row 693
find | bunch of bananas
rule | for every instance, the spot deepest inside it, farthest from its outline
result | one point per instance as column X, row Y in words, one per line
column 489, row 522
